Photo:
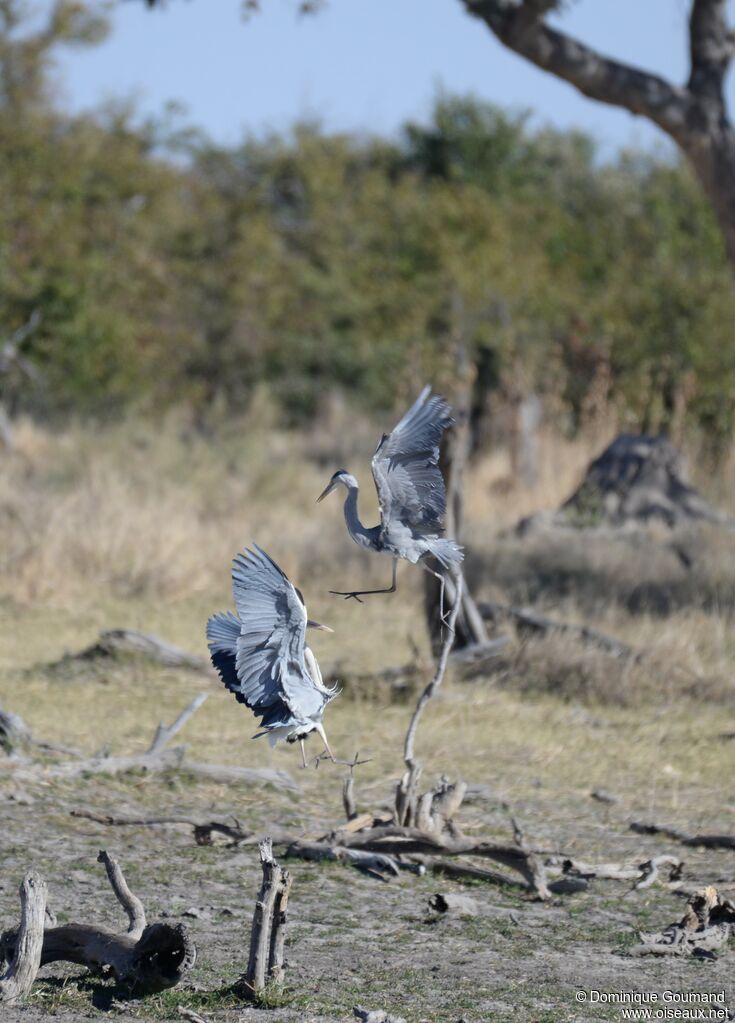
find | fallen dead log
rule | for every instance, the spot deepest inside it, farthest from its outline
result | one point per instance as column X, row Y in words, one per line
column 145, row 958
column 159, row 757
column 705, row 841
column 203, row 830
column 402, row 841
column 644, row 874
column 131, row 643
column 170, row 760
column 530, row 621
column 22, row 966
column 704, row 930
column 381, row 866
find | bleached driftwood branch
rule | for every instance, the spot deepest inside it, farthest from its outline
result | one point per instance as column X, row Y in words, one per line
column 146, row 957
column 165, row 733
column 643, row 873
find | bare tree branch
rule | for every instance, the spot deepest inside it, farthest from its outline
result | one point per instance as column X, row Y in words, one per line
column 594, row 74
column 695, row 115
column 129, row 902
column 406, row 789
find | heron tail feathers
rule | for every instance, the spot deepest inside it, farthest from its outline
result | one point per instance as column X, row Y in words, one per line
column 447, row 552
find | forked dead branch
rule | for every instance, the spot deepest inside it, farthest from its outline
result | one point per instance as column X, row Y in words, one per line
column 144, row 958
column 158, row 757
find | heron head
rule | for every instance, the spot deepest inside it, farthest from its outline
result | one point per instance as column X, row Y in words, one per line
column 340, row 476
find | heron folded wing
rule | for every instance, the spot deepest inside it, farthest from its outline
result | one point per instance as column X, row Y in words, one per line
column 406, row 466
column 269, row 658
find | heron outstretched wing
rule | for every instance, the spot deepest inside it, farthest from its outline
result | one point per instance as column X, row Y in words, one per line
column 269, row 668
column 406, row 466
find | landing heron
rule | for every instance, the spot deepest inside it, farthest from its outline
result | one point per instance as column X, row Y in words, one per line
column 411, row 495
column 261, row 655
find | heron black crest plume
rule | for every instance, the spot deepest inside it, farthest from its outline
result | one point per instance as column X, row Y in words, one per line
column 261, row 655
column 411, row 494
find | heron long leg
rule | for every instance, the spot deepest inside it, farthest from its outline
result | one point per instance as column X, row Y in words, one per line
column 320, row 730
column 356, row 594
column 442, row 584
column 303, row 753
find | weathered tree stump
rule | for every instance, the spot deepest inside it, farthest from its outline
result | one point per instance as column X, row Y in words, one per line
column 132, row 643
column 636, row 480
column 268, row 934
column 146, row 958
column 18, row 977
column 704, row 930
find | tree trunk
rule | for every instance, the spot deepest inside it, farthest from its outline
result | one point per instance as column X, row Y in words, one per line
column 693, row 115
column 713, row 159
column 455, row 449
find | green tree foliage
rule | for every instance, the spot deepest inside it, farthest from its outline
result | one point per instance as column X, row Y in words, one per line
column 312, row 260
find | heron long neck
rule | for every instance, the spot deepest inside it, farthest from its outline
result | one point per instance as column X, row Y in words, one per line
column 359, row 533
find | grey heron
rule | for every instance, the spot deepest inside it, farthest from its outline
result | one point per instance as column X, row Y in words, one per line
column 410, row 492
column 261, row 655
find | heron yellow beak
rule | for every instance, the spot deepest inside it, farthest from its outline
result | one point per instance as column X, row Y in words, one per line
column 318, row 625
column 327, row 490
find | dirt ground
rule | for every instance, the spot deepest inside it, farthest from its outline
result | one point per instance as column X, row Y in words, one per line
column 129, row 531
column 354, row 940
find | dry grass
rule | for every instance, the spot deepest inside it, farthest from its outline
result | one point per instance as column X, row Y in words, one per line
column 136, row 526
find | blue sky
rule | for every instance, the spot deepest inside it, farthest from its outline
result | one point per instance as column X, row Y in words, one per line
column 360, row 65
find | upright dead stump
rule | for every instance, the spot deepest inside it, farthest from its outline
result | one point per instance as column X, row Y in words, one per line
column 268, row 936
column 17, row 979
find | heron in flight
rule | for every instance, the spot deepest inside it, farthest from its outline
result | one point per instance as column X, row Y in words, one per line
column 411, row 495
column 261, row 655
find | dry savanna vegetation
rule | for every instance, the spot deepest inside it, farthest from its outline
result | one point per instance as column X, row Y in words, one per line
column 134, row 526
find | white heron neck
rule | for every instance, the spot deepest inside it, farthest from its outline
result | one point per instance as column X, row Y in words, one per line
column 359, row 533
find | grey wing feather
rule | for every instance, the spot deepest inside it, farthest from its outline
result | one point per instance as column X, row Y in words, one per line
column 223, row 632
column 269, row 650
column 406, row 466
